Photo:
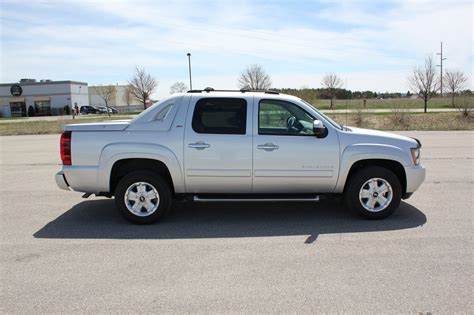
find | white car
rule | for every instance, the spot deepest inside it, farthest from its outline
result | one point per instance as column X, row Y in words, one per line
column 208, row 145
column 111, row 110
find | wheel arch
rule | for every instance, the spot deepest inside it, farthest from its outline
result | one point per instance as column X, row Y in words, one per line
column 391, row 165
column 362, row 155
column 125, row 166
column 135, row 156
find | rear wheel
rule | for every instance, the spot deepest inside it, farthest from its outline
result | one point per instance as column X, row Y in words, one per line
column 143, row 197
column 373, row 192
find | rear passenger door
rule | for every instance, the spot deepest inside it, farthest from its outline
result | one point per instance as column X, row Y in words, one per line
column 218, row 145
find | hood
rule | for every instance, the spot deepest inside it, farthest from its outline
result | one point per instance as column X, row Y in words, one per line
column 116, row 125
column 378, row 133
column 375, row 136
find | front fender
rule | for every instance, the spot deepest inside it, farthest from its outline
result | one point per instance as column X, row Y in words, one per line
column 366, row 151
column 119, row 151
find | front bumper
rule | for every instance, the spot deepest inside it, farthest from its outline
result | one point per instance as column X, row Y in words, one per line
column 415, row 175
column 61, row 181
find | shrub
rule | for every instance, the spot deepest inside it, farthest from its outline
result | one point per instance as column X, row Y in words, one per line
column 67, row 110
column 401, row 112
column 31, row 111
column 465, row 104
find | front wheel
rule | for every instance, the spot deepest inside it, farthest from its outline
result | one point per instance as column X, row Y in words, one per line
column 142, row 197
column 373, row 192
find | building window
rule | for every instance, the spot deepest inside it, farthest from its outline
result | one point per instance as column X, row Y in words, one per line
column 18, row 109
column 42, row 108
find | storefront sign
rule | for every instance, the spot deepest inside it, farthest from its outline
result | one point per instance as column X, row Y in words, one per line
column 16, row 90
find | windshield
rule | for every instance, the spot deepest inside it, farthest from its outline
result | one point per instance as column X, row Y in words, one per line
column 332, row 122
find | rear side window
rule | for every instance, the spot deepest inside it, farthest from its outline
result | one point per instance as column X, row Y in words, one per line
column 220, row 116
column 163, row 113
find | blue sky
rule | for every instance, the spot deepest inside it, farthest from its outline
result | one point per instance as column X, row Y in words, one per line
column 372, row 45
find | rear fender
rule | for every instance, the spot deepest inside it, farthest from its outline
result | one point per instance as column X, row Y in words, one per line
column 119, row 151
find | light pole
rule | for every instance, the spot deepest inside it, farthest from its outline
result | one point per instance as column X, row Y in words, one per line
column 189, row 64
column 441, row 66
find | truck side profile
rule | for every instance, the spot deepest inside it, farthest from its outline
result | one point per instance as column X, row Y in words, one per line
column 237, row 145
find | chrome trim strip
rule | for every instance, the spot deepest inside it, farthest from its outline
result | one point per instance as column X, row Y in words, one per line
column 197, row 199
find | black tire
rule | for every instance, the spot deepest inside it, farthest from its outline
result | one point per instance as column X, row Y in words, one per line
column 355, row 184
column 155, row 181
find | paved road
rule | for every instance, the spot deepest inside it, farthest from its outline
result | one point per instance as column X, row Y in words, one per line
column 61, row 253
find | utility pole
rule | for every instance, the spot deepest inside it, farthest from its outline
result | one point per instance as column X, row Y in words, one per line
column 189, row 64
column 441, row 66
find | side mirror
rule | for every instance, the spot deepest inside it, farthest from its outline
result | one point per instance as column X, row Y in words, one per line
column 318, row 129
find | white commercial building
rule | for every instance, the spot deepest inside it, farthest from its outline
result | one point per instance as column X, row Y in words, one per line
column 39, row 98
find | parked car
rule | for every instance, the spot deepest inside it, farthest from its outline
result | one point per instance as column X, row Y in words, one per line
column 111, row 110
column 211, row 146
column 89, row 109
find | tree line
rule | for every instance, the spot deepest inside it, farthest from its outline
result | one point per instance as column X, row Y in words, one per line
column 424, row 83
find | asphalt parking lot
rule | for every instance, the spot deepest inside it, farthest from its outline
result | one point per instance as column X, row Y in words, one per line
column 62, row 253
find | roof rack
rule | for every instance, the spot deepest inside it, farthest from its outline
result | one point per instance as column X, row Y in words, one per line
column 210, row 89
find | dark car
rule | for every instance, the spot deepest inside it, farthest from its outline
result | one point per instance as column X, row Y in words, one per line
column 91, row 110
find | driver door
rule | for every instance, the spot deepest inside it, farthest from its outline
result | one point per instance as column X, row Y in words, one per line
column 287, row 156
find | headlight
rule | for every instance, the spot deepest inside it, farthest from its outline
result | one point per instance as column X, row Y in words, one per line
column 415, row 154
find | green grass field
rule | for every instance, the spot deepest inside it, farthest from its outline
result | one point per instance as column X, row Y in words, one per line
column 439, row 102
column 38, row 127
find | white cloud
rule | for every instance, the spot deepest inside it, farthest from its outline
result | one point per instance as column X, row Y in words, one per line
column 374, row 48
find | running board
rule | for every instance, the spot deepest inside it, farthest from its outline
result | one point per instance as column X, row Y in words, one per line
column 198, row 198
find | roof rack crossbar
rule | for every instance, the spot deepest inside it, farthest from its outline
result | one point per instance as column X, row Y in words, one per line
column 209, row 89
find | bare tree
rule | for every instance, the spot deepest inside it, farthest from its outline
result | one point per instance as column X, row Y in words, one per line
column 332, row 82
column 360, row 112
column 107, row 93
column 423, row 81
column 142, row 86
column 456, row 80
column 254, row 78
column 128, row 96
column 178, row 87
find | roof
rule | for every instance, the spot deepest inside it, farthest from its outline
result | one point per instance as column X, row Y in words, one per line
column 44, row 83
column 237, row 93
column 210, row 89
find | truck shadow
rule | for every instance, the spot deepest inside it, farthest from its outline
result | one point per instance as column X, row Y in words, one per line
column 98, row 219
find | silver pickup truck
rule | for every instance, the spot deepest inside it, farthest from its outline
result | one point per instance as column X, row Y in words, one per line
column 208, row 145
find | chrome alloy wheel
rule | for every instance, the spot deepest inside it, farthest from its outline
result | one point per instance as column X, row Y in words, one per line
column 142, row 199
column 376, row 195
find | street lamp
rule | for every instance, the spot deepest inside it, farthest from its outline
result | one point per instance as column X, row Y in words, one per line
column 441, row 65
column 189, row 64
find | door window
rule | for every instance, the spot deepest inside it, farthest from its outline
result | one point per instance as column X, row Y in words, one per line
column 283, row 118
column 220, row 116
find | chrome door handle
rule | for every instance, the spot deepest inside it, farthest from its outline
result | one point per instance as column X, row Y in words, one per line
column 200, row 145
column 268, row 147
